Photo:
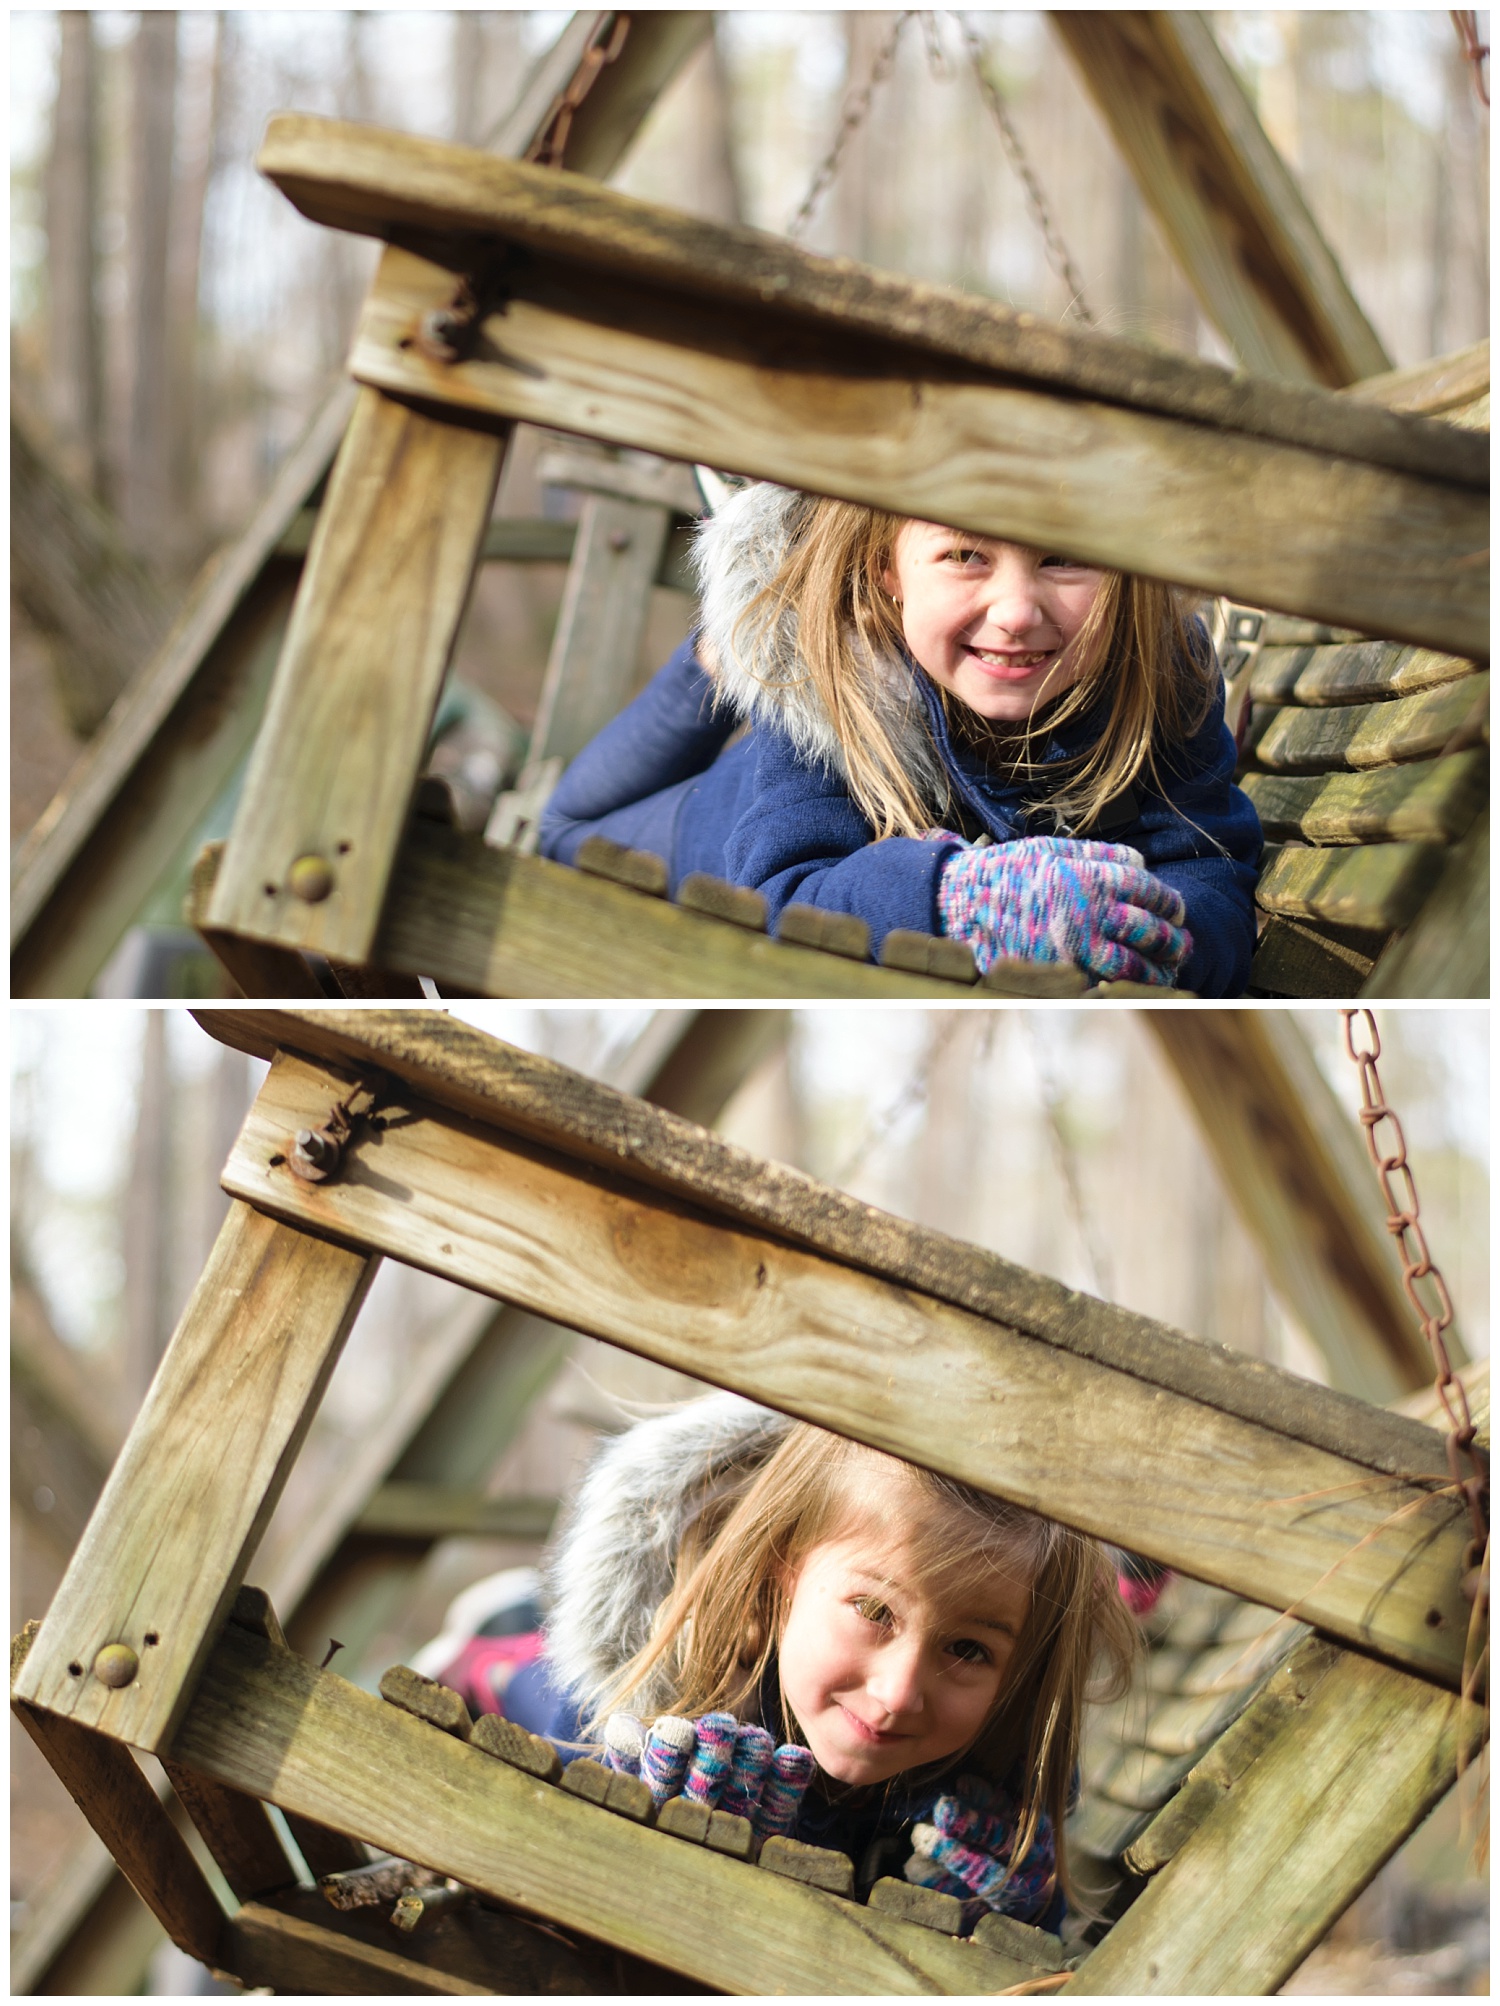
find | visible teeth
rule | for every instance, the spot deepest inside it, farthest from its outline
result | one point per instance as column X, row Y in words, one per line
column 1013, row 661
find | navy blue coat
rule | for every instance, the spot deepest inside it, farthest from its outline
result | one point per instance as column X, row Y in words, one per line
column 669, row 775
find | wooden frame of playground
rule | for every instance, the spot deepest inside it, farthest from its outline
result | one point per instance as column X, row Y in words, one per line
column 512, row 294
column 570, row 1201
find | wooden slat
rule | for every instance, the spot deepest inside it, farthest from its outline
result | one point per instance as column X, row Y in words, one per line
column 1444, row 384
column 197, row 1479
column 1446, row 951
column 1301, row 958
column 540, row 1101
column 1269, row 524
column 1428, row 801
column 335, row 765
column 1352, row 672
column 1363, row 735
column 430, row 1512
column 1379, row 886
column 1297, row 1171
column 104, row 1781
column 1210, row 1495
column 1223, row 196
column 265, row 1722
column 410, row 190
column 1353, row 1771
column 237, row 1832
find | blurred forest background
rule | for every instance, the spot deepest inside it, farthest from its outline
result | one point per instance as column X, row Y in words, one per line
column 1061, row 1140
column 175, row 325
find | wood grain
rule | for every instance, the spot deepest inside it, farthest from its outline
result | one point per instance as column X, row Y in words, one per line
column 1446, row 949
column 335, row 765
column 1297, row 1172
column 196, row 1481
column 266, row 1722
column 1363, row 735
column 1445, row 383
column 1307, row 1826
column 237, row 1832
column 1269, row 524
column 1310, row 958
column 1211, row 1496
column 1425, row 801
column 408, row 189
column 1224, row 198
column 503, row 1087
column 1378, row 886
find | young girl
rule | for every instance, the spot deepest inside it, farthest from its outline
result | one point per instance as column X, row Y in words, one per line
column 915, row 1651
column 941, row 732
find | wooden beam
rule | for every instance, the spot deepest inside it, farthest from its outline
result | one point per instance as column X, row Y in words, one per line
column 194, row 1486
column 813, row 406
column 130, row 806
column 1447, row 383
column 267, row 1723
column 426, row 1512
column 1295, row 1168
column 1224, row 198
column 456, row 202
column 1355, row 1769
column 1446, row 949
column 1220, row 1499
column 243, row 1841
column 590, row 1122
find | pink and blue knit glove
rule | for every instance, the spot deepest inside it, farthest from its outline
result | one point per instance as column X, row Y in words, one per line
column 966, row 1848
column 1046, row 898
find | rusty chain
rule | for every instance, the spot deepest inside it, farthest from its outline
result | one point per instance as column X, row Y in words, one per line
column 1403, row 1222
column 550, row 144
column 1476, row 53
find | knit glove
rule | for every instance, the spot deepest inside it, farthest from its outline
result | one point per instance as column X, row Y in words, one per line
column 966, row 1849
column 717, row 1762
column 1047, row 898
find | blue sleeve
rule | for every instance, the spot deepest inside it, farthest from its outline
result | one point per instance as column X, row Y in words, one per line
column 800, row 837
column 628, row 783
column 1201, row 835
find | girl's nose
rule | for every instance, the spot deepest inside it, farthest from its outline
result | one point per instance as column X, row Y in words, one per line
column 895, row 1679
column 1014, row 602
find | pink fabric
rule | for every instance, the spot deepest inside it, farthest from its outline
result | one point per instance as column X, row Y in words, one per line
column 485, row 1667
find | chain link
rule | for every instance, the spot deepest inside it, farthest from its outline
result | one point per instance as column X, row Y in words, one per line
column 1476, row 53
column 551, row 142
column 1426, row 1290
column 856, row 110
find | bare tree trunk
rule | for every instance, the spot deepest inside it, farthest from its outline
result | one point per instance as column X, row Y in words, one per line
column 145, row 1217
column 147, row 487
column 719, row 191
column 185, row 265
column 468, row 75
column 851, row 196
column 73, row 347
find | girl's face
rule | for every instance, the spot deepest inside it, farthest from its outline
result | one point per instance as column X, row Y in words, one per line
column 994, row 623
column 886, row 1670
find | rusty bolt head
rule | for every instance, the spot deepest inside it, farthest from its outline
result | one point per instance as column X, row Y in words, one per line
column 310, row 879
column 438, row 335
column 314, row 1155
column 619, row 540
column 116, row 1665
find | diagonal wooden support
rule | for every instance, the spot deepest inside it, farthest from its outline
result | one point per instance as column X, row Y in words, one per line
column 266, row 1723
column 1356, row 1767
column 159, row 1564
column 1226, row 201
column 1370, row 1558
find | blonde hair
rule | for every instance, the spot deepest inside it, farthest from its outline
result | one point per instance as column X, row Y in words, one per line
column 717, row 1632
column 1134, row 644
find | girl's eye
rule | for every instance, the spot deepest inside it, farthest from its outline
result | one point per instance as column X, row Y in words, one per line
column 1052, row 562
column 964, row 555
column 872, row 1609
column 970, row 1650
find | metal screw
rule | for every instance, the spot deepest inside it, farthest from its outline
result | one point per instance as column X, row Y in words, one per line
column 619, row 539
column 116, row 1665
column 314, row 1155
column 310, row 879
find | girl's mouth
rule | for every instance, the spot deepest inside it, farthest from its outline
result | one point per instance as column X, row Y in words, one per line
column 878, row 1737
column 1011, row 667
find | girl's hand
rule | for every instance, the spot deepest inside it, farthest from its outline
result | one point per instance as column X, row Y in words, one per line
column 1046, row 898
column 966, row 1850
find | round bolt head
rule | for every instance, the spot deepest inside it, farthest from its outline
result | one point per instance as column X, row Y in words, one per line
column 310, row 879
column 619, row 539
column 116, row 1665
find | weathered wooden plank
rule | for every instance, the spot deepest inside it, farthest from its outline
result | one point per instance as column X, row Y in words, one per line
column 1446, row 950
column 542, row 1102
column 264, row 1721
column 1226, row 201
column 335, row 766
column 1427, row 801
column 237, row 1832
column 413, row 190
column 502, row 924
column 1357, row 675
column 104, row 1781
column 1213, row 1496
column 1378, row 886
column 1355, row 1768
column 158, row 1566
column 1270, row 524
column 1376, row 734
column 1298, row 958
column 1444, row 384
column 1297, row 1171
column 407, row 1510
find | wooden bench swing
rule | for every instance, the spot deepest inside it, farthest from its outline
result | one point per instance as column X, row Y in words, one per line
column 521, row 1180
column 510, row 294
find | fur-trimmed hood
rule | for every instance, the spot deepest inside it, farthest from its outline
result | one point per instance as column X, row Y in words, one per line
column 757, row 670
column 611, row 1565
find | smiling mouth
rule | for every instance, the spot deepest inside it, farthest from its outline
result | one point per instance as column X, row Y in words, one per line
column 1011, row 666
column 877, row 1737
